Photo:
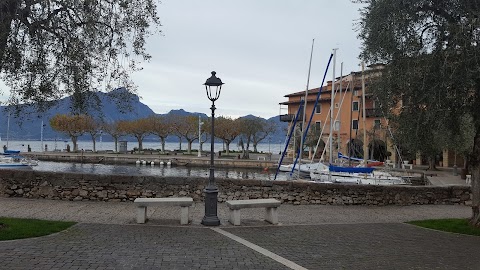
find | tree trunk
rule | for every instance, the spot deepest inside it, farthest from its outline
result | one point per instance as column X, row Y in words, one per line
column 162, row 140
column 180, row 143
column 246, row 154
column 431, row 163
column 227, row 147
column 140, row 145
column 7, row 12
column 74, row 141
column 474, row 165
column 94, row 144
column 116, row 144
column 255, row 147
column 189, row 145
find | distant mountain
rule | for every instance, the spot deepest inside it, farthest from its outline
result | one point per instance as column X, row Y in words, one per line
column 281, row 132
column 111, row 107
column 28, row 126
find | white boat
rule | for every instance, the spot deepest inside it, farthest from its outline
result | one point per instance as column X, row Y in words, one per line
column 9, row 162
column 374, row 178
column 304, row 168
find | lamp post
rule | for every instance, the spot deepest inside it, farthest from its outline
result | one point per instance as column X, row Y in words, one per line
column 213, row 86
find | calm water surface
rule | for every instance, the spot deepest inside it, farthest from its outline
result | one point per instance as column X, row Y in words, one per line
column 178, row 171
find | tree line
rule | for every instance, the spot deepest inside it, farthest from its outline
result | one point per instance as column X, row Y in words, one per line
column 250, row 131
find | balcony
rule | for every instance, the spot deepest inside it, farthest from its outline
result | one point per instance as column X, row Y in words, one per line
column 287, row 117
column 375, row 112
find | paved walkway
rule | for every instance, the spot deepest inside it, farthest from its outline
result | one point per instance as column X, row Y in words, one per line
column 309, row 237
column 445, row 178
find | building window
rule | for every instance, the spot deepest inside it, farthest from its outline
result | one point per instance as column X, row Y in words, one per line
column 355, row 124
column 336, row 126
column 318, row 126
column 318, row 109
column 355, row 106
column 377, row 124
column 355, row 93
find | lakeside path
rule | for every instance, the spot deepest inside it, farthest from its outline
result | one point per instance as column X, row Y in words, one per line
column 309, row 237
column 257, row 160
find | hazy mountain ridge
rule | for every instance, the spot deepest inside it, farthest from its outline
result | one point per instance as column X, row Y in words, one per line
column 28, row 125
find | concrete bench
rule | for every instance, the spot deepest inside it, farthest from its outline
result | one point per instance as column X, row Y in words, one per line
column 261, row 158
column 270, row 205
column 142, row 204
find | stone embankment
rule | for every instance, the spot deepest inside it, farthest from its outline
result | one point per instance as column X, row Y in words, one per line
column 258, row 160
column 89, row 187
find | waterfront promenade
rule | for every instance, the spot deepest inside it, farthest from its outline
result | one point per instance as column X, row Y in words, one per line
column 309, row 237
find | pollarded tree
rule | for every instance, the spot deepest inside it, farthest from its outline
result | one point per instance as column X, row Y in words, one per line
column 49, row 49
column 226, row 129
column 161, row 127
column 432, row 77
column 138, row 128
column 186, row 127
column 94, row 128
column 73, row 126
column 249, row 126
column 266, row 128
column 312, row 139
column 113, row 130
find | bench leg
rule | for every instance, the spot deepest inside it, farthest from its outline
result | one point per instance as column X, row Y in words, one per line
column 271, row 215
column 234, row 217
column 184, row 215
column 141, row 214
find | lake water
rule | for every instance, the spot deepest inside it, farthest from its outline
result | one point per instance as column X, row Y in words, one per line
column 178, row 171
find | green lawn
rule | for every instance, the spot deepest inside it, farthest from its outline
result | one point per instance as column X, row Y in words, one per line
column 448, row 225
column 17, row 228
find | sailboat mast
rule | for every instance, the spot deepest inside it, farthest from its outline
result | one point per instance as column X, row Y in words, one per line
column 339, row 109
column 364, row 115
column 332, row 101
column 350, row 125
column 304, row 126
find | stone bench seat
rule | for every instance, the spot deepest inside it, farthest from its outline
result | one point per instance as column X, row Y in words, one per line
column 183, row 202
column 270, row 205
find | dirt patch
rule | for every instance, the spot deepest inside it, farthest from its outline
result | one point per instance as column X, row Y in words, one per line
column 3, row 226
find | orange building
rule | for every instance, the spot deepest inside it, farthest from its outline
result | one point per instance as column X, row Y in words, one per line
column 349, row 124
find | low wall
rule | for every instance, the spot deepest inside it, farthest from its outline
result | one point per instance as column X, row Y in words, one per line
column 177, row 160
column 74, row 186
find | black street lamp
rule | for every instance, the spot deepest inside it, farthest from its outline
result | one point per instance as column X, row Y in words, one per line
column 213, row 86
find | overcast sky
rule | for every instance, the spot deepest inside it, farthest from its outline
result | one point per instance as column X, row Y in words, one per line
column 260, row 50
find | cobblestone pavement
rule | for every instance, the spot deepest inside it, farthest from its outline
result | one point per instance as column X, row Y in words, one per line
column 311, row 236
column 100, row 246
column 367, row 246
column 328, row 246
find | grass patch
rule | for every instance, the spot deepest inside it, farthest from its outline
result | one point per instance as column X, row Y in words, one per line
column 18, row 228
column 454, row 225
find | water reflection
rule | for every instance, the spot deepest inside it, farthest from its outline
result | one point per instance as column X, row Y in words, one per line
column 230, row 173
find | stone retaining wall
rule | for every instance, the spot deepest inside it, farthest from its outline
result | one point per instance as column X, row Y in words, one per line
column 74, row 186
